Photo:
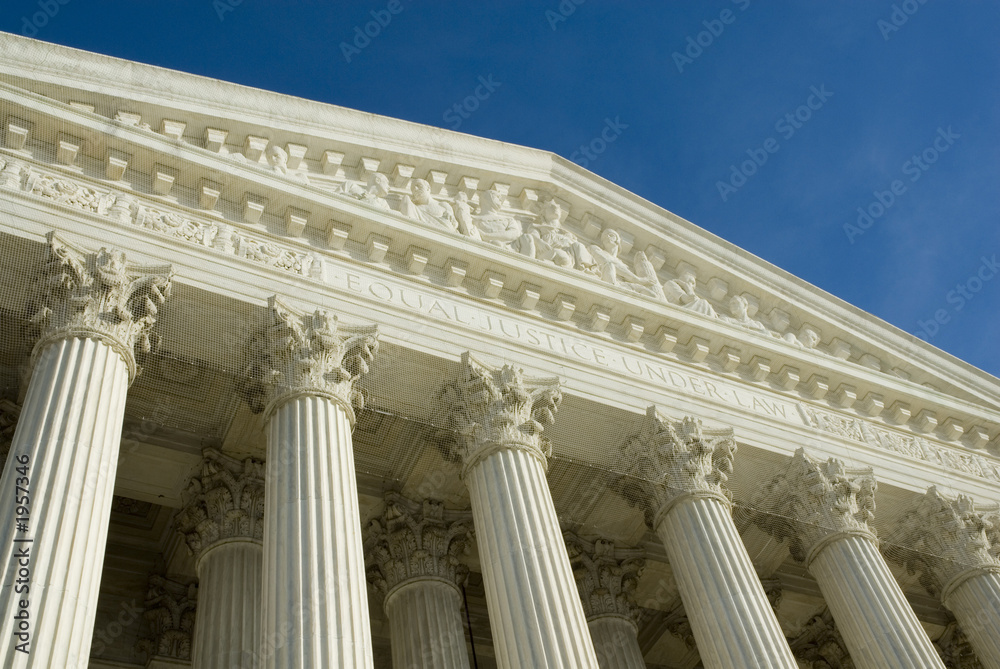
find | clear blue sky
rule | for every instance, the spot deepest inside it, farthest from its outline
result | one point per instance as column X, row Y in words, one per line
column 901, row 76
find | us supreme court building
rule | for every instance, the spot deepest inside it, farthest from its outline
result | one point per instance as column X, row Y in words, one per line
column 287, row 385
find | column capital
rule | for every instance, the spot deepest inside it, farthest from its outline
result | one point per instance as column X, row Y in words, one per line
column 670, row 459
column 606, row 576
column 299, row 353
column 226, row 502
column 813, row 503
column 820, row 643
column 170, row 610
column 413, row 541
column 956, row 650
column 97, row 296
column 497, row 408
column 946, row 539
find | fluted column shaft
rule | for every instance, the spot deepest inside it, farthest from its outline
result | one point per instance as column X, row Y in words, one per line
column 228, row 626
column 534, row 605
column 616, row 642
column 975, row 601
column 67, row 439
column 425, row 625
column 877, row 623
column 315, row 597
column 730, row 615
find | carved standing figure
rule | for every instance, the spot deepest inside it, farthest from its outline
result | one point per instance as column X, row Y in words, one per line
column 492, row 226
column 547, row 240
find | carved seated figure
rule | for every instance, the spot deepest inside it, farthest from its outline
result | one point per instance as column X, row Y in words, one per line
column 682, row 291
column 808, row 337
column 375, row 194
column 548, row 241
column 489, row 225
column 420, row 206
column 739, row 308
column 612, row 269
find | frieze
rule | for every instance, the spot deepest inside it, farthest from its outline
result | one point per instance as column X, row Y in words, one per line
column 223, row 237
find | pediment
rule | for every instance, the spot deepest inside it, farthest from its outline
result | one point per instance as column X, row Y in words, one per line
column 288, row 183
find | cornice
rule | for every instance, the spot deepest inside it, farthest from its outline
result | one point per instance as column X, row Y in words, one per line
column 80, row 71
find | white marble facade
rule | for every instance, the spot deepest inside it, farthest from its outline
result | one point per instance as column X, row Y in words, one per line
column 313, row 388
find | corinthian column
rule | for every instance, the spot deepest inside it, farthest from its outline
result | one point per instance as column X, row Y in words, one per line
column 607, row 579
column 315, row 600
column 413, row 550
column 947, row 540
column 223, row 525
column 55, row 493
column 677, row 471
column 825, row 510
column 497, row 417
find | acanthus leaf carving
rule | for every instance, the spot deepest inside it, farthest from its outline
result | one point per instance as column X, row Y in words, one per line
column 416, row 540
column 226, row 501
column 606, row 576
column 494, row 408
column 943, row 539
column 170, row 611
column 300, row 353
column 671, row 458
column 813, row 502
column 101, row 295
column 820, row 643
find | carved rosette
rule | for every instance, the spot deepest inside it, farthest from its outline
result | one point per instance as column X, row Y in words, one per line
column 170, row 611
column 226, row 503
column 308, row 354
column 98, row 296
column 820, row 644
column 606, row 577
column 416, row 541
column 946, row 540
column 815, row 502
column 670, row 459
column 497, row 408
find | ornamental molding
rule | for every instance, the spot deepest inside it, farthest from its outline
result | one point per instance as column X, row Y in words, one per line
column 225, row 503
column 300, row 353
column 606, row 576
column 671, row 459
column 489, row 409
column 758, row 358
column 946, row 540
column 302, row 261
column 813, row 503
column 413, row 541
column 170, row 612
column 98, row 295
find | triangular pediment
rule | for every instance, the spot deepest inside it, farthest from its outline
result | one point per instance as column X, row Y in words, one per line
column 254, row 172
